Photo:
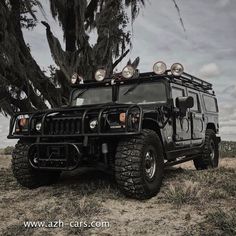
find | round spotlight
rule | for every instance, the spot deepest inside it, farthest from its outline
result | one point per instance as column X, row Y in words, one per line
column 76, row 78
column 177, row 69
column 100, row 75
column 128, row 72
column 38, row 126
column 93, row 124
column 159, row 68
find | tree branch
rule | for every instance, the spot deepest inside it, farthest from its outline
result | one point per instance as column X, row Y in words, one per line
column 180, row 17
column 120, row 59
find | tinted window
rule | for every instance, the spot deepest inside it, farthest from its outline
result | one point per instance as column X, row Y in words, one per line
column 143, row 93
column 92, row 96
column 210, row 103
column 196, row 101
column 177, row 92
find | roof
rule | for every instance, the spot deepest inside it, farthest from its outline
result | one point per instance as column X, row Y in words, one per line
column 186, row 80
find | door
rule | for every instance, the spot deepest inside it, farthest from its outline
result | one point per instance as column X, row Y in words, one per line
column 182, row 124
column 197, row 118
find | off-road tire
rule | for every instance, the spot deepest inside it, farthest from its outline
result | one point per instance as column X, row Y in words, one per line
column 26, row 175
column 130, row 165
column 206, row 161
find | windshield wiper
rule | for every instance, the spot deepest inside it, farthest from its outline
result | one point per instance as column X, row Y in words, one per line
column 131, row 88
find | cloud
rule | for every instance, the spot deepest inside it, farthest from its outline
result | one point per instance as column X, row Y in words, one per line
column 209, row 70
column 224, row 3
column 230, row 90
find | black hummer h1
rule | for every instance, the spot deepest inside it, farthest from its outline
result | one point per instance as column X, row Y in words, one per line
column 132, row 124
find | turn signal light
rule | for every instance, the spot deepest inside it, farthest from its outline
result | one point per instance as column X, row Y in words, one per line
column 23, row 122
column 122, row 117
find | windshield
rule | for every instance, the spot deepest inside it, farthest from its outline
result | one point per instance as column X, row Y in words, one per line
column 143, row 93
column 90, row 96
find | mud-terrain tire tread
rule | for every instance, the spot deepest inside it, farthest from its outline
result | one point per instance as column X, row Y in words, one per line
column 25, row 174
column 128, row 161
column 203, row 163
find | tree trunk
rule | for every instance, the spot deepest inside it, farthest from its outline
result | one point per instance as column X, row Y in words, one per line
column 70, row 36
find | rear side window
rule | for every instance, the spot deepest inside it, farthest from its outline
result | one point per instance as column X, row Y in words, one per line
column 196, row 106
column 210, row 103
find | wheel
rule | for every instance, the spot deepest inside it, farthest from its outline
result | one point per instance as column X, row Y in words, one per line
column 210, row 157
column 25, row 174
column 139, row 165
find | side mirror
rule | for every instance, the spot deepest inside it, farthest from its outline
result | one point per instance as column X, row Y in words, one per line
column 183, row 103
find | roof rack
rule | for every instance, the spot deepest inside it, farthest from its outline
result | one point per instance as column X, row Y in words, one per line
column 196, row 81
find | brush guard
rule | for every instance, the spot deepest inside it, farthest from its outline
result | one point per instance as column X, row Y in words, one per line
column 54, row 156
column 74, row 122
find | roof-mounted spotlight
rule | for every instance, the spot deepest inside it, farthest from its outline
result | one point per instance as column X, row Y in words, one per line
column 77, row 79
column 100, row 75
column 128, row 72
column 177, row 69
column 159, row 68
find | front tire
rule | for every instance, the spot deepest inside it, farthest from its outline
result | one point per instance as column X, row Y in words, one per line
column 25, row 174
column 210, row 157
column 139, row 165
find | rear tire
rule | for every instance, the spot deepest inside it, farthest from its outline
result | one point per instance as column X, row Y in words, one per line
column 139, row 165
column 210, row 157
column 26, row 175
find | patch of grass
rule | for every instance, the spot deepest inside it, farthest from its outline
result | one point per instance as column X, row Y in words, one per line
column 216, row 194
column 17, row 229
column 187, row 192
column 8, row 181
column 84, row 207
column 216, row 223
column 201, row 186
column 8, row 150
column 218, row 179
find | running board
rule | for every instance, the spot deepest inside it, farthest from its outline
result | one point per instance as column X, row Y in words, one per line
column 185, row 159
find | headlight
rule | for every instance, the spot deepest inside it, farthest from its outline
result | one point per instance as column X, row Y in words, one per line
column 93, row 124
column 128, row 72
column 159, row 68
column 38, row 126
column 177, row 69
column 77, row 78
column 100, row 75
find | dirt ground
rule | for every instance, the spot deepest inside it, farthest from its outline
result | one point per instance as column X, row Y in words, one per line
column 185, row 200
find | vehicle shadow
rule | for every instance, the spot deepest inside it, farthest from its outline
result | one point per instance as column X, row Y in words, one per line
column 94, row 180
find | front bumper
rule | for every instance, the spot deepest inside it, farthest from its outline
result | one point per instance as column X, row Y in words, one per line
column 54, row 156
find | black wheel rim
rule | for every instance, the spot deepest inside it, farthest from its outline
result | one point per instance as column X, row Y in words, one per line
column 212, row 155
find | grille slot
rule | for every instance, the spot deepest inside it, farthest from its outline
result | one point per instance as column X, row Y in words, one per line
column 63, row 126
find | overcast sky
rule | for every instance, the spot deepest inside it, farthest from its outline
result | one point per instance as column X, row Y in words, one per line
column 207, row 49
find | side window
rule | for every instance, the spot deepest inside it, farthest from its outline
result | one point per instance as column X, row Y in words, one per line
column 210, row 103
column 196, row 106
column 177, row 92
